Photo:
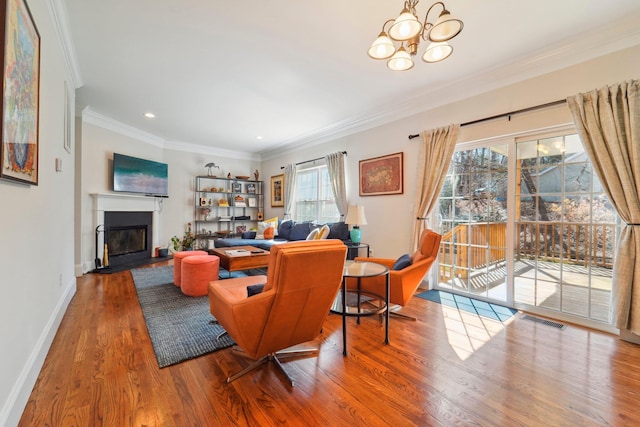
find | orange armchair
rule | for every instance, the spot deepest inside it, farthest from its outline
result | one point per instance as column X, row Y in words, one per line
column 303, row 279
column 403, row 283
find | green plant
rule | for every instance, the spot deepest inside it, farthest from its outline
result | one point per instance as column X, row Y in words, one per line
column 186, row 242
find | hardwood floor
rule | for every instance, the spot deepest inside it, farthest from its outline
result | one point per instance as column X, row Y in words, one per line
column 448, row 368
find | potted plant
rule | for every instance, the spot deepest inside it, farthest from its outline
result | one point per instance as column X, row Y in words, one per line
column 187, row 241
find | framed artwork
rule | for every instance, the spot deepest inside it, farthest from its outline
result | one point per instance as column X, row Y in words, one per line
column 277, row 191
column 21, row 93
column 251, row 188
column 382, row 175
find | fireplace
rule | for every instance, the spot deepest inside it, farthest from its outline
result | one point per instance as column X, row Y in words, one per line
column 128, row 236
column 122, row 203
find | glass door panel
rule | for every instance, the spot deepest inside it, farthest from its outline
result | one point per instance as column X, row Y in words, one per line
column 567, row 230
column 473, row 215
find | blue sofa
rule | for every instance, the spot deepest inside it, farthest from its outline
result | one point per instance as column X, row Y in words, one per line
column 289, row 231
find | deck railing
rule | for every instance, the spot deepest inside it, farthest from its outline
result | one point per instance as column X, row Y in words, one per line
column 469, row 246
column 577, row 243
column 476, row 245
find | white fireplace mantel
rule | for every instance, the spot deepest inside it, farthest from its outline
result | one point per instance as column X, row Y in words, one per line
column 126, row 203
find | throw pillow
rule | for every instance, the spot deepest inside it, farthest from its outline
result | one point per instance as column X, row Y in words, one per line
column 284, row 229
column 269, row 233
column 300, row 231
column 339, row 230
column 249, row 235
column 403, row 262
column 314, row 234
column 323, row 232
column 254, row 290
column 272, row 222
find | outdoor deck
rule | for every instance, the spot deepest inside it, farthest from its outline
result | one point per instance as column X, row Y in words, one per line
column 567, row 291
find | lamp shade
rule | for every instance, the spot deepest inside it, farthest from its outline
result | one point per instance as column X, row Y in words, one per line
column 437, row 52
column 405, row 27
column 401, row 61
column 355, row 216
column 445, row 28
column 382, row 47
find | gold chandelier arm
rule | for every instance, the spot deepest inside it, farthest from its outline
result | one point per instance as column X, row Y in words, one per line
column 426, row 24
column 385, row 24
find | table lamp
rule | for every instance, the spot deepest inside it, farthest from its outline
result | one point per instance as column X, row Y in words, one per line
column 355, row 217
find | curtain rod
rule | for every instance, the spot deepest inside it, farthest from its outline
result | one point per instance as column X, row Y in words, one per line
column 509, row 114
column 312, row 160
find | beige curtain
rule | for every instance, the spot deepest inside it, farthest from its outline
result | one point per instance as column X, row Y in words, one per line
column 608, row 121
column 335, row 167
column 290, row 179
column 434, row 156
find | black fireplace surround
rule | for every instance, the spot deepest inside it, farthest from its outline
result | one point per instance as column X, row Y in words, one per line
column 128, row 236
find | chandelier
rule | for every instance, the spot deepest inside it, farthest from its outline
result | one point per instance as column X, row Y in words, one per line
column 408, row 30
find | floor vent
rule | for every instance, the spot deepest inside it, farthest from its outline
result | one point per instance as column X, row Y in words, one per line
column 544, row 321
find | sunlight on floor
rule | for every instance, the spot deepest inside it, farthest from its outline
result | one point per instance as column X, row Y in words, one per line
column 468, row 332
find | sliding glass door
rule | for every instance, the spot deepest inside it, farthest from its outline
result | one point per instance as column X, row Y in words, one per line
column 525, row 222
column 566, row 230
column 473, row 223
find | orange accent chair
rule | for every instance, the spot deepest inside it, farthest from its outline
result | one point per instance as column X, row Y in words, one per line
column 403, row 283
column 303, row 279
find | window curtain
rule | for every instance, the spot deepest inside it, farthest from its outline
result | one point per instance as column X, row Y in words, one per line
column 290, row 174
column 434, row 156
column 608, row 121
column 335, row 167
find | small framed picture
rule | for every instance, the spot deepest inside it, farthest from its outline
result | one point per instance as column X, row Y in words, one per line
column 252, row 202
column 237, row 187
column 277, row 191
column 251, row 188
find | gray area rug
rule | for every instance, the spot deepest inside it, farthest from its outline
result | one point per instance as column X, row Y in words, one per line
column 179, row 326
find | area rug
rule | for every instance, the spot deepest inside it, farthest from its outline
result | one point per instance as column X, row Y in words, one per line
column 481, row 308
column 179, row 326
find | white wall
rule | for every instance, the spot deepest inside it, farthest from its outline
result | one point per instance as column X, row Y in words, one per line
column 36, row 256
column 390, row 218
column 98, row 145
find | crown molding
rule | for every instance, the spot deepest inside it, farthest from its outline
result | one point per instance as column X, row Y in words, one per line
column 614, row 37
column 97, row 119
column 58, row 12
column 202, row 149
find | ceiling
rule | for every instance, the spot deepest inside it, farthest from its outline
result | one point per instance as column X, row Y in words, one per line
column 219, row 73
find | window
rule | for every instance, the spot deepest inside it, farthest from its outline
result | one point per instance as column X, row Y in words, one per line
column 314, row 196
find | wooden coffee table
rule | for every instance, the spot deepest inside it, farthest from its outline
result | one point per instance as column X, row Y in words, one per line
column 258, row 258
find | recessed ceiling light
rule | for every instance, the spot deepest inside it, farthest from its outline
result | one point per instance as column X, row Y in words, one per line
column 259, row 137
column 149, row 115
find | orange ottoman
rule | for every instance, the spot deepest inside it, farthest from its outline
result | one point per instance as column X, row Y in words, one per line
column 197, row 272
column 177, row 263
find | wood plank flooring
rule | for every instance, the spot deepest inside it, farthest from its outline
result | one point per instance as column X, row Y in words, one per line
column 448, row 368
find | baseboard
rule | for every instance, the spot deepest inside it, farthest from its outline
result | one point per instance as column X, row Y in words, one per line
column 21, row 390
column 629, row 336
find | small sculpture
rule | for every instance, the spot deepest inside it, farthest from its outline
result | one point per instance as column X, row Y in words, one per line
column 229, row 175
column 256, row 175
column 211, row 165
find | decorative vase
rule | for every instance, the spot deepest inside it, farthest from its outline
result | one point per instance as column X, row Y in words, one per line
column 355, row 234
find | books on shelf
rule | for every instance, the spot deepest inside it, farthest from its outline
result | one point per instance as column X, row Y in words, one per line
column 238, row 252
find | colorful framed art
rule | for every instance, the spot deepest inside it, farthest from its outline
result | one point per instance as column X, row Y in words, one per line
column 21, row 93
column 382, row 175
column 277, row 191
